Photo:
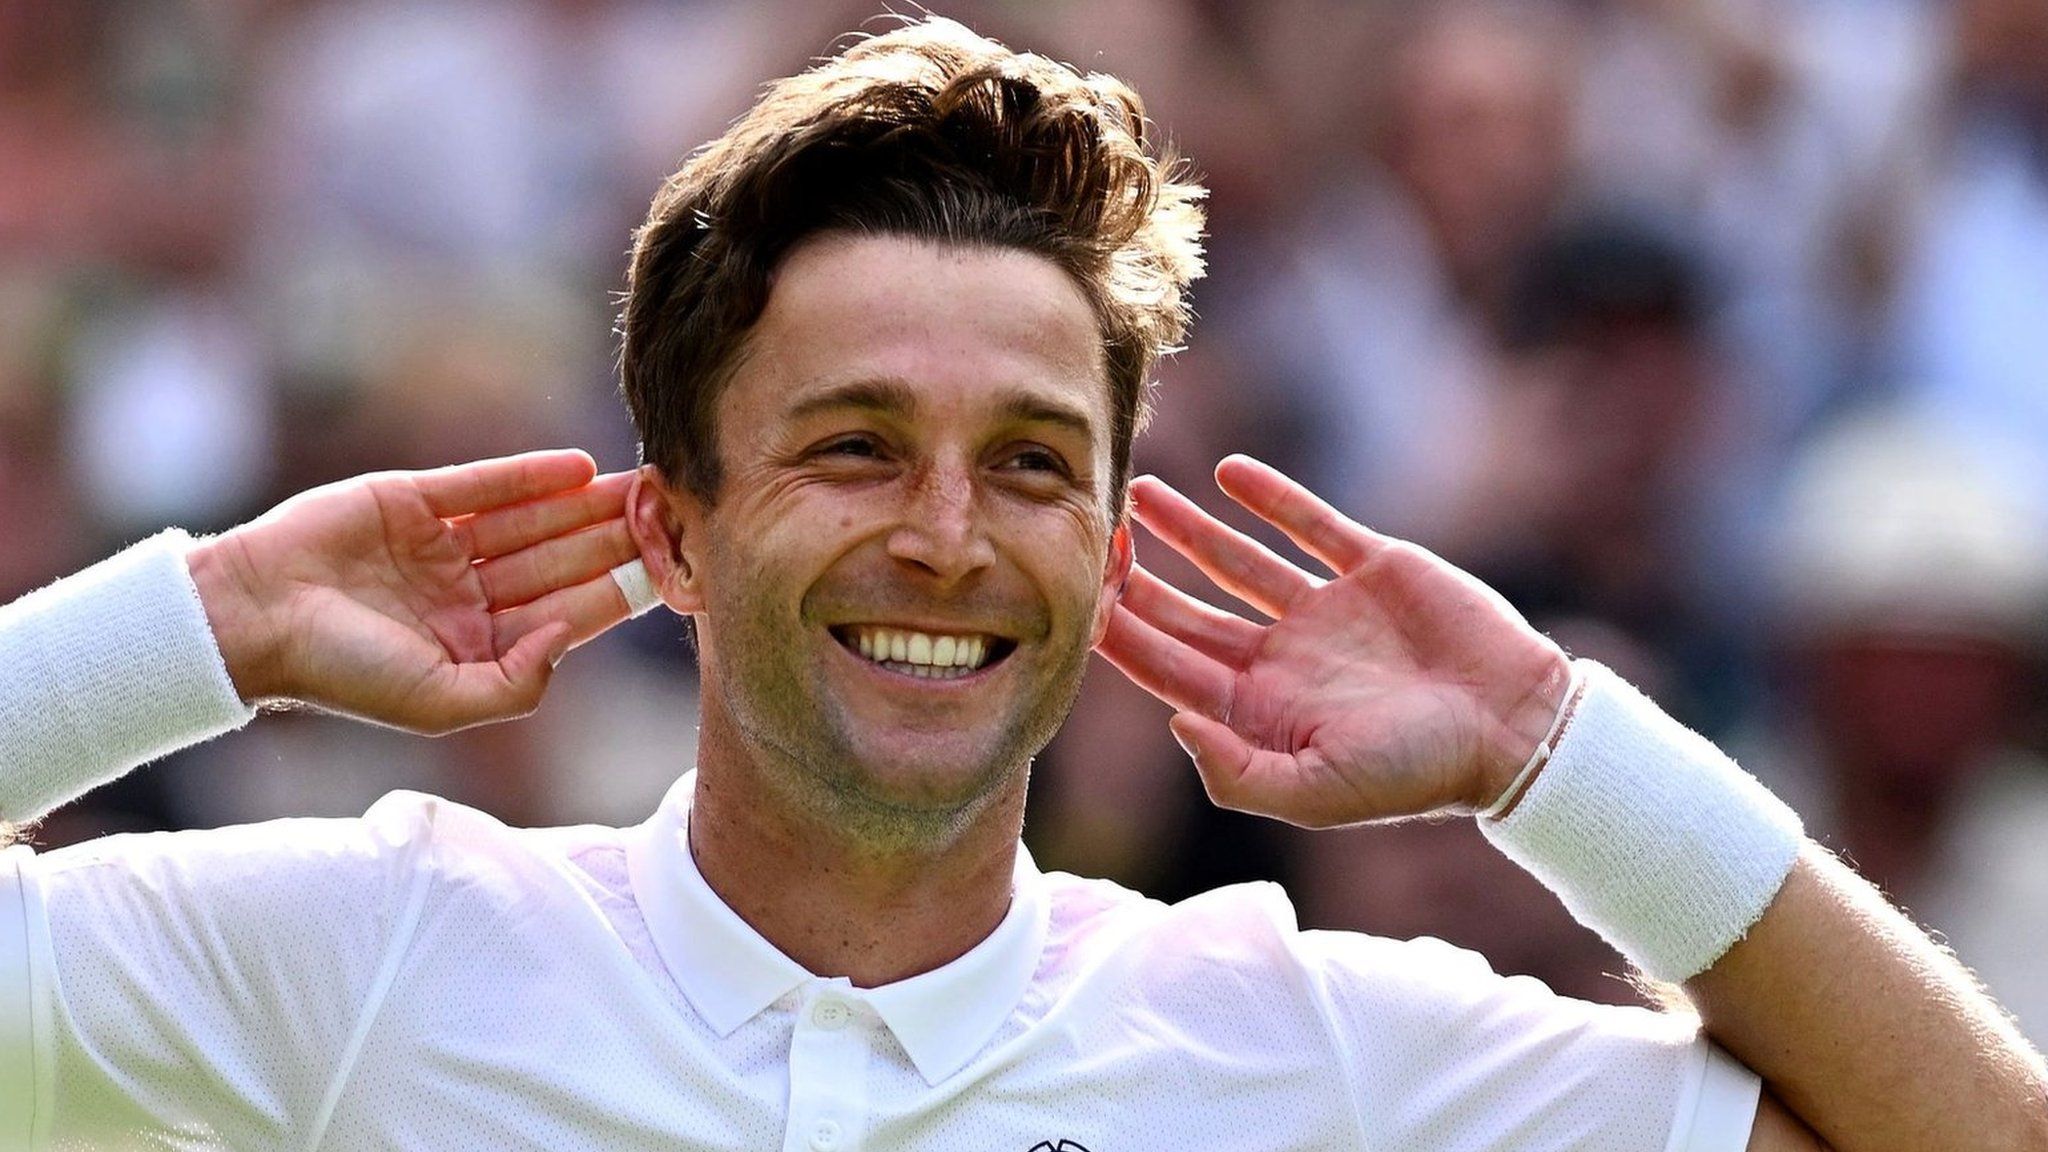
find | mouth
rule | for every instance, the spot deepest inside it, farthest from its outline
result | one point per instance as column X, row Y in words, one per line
column 925, row 655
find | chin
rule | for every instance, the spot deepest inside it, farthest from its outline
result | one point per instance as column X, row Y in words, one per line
column 925, row 779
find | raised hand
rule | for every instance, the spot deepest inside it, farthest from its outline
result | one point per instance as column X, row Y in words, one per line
column 1399, row 686
column 428, row 601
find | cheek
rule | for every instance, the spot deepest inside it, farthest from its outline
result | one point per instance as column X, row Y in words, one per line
column 775, row 567
column 751, row 583
column 1070, row 562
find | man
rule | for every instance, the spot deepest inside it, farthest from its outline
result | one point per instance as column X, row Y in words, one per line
column 885, row 342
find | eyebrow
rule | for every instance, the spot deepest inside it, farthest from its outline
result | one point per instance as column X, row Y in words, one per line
column 891, row 397
column 885, row 396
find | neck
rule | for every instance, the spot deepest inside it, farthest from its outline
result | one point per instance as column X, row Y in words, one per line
column 840, row 907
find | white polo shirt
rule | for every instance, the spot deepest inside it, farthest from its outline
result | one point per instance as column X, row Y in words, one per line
column 425, row 978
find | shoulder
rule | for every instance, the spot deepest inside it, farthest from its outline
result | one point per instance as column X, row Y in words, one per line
column 1429, row 1044
column 300, row 890
column 1229, row 954
column 1095, row 920
column 386, row 842
column 321, row 871
column 1251, row 926
column 1243, row 943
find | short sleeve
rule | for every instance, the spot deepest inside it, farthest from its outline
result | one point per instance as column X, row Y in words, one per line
column 1448, row 1056
column 198, row 989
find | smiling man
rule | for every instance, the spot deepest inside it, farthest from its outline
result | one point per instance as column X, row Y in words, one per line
column 886, row 343
column 913, row 461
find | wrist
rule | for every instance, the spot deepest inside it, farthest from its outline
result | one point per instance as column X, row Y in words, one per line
column 1523, row 731
column 222, row 573
column 1651, row 836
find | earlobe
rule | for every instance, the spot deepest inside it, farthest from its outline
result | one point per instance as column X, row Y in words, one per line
column 664, row 524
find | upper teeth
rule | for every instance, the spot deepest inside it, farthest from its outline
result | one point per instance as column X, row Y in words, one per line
column 922, row 649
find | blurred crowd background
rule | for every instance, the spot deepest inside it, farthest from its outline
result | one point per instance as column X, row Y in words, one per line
column 1714, row 333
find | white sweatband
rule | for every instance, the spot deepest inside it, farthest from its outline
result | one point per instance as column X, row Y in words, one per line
column 1650, row 835
column 631, row 577
column 105, row 670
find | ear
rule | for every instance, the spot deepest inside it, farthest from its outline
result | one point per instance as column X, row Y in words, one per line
column 1123, row 554
column 667, row 523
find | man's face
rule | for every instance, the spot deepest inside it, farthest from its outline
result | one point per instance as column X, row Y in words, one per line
column 912, row 548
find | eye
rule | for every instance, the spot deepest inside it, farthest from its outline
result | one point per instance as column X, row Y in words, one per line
column 1032, row 458
column 859, row 446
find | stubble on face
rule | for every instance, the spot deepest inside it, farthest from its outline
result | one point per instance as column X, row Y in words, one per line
column 829, row 780
column 797, row 547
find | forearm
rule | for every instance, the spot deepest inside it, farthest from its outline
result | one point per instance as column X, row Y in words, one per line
column 1872, row 1034
column 103, row 671
column 1861, row 1025
column 1403, row 686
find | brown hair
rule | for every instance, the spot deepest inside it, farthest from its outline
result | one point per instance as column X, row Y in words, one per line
column 928, row 131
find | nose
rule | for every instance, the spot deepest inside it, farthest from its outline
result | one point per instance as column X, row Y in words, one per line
column 941, row 530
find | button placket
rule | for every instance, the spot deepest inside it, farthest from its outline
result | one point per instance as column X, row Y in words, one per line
column 828, row 1072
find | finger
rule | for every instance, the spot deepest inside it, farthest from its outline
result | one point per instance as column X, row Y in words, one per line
column 504, row 530
column 465, row 488
column 1209, row 630
column 588, row 608
column 1237, row 563
column 1337, row 540
column 531, row 573
column 1165, row 667
column 510, row 687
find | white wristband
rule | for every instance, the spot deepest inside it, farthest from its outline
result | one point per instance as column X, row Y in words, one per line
column 631, row 577
column 1651, row 835
column 105, row 670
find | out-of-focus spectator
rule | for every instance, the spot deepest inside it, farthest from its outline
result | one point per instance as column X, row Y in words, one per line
column 1970, row 325
column 1614, row 431
column 1394, row 265
column 1760, row 124
column 1911, row 617
column 42, row 505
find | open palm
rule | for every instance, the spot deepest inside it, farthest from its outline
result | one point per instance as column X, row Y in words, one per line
column 428, row 601
column 1399, row 686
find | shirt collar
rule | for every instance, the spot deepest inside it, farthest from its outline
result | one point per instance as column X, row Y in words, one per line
column 730, row 973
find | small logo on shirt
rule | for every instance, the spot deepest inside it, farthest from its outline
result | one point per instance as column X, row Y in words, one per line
column 1062, row 1146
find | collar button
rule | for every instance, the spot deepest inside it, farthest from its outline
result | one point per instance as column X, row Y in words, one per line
column 831, row 1015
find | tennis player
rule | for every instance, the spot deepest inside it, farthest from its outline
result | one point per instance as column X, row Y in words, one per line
column 887, row 343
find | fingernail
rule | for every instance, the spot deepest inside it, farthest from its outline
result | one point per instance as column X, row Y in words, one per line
column 1186, row 745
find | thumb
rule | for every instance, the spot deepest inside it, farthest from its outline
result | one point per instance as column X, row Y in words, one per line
column 531, row 661
column 486, row 691
column 1221, row 756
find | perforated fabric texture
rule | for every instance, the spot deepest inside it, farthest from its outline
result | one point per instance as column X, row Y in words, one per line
column 424, row 978
column 205, row 985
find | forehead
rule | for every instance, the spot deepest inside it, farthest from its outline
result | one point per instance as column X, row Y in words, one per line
column 960, row 325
